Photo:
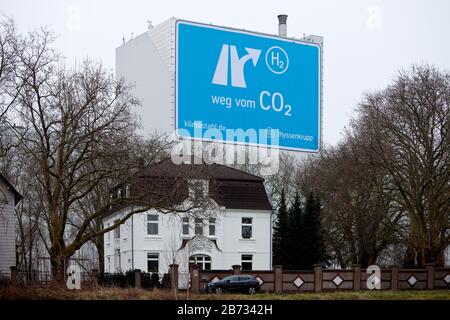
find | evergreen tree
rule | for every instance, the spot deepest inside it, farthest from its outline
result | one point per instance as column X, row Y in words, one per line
column 280, row 232
column 320, row 246
column 313, row 248
column 294, row 239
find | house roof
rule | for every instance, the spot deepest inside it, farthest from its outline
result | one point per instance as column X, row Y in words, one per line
column 241, row 194
column 167, row 168
column 229, row 187
column 17, row 195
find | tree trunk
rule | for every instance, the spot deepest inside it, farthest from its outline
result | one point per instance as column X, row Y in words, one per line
column 435, row 255
column 441, row 259
column 410, row 257
column 98, row 242
column 30, row 253
column 59, row 264
column 367, row 258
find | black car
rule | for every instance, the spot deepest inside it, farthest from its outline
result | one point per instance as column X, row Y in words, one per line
column 236, row 283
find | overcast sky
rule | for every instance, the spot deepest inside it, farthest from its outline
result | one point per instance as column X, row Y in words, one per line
column 365, row 41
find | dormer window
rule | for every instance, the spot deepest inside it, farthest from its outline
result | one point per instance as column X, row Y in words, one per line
column 198, row 188
column 117, row 230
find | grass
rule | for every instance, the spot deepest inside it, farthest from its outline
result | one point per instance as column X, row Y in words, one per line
column 10, row 293
column 350, row 295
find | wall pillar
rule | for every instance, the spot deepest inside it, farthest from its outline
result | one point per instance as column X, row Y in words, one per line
column 430, row 275
column 318, row 277
column 356, row 277
column 13, row 270
column 278, row 279
column 195, row 278
column 173, row 271
column 95, row 278
column 137, row 278
column 394, row 278
column 236, row 269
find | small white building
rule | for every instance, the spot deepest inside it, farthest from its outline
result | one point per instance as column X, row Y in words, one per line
column 9, row 197
column 237, row 231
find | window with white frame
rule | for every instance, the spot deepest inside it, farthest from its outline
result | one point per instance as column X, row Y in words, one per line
column 203, row 261
column 185, row 226
column 124, row 230
column 247, row 262
column 212, row 226
column 117, row 231
column 152, row 224
column 118, row 263
column 247, row 228
column 152, row 262
column 198, row 226
column 108, row 233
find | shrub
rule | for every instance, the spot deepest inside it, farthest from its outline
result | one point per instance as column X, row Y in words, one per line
column 166, row 281
column 155, row 280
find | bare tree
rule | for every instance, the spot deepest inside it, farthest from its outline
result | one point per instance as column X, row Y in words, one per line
column 81, row 140
column 408, row 126
column 9, row 89
column 284, row 179
column 8, row 64
column 76, row 122
column 147, row 151
column 27, row 213
column 357, row 217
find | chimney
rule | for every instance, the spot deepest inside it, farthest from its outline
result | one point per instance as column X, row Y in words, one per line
column 282, row 26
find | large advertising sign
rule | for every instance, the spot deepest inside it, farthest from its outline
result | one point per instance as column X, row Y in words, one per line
column 230, row 81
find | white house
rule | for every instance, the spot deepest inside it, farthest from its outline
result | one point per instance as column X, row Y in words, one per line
column 236, row 231
column 9, row 197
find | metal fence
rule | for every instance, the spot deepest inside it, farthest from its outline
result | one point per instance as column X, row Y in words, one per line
column 37, row 278
column 42, row 275
column 5, row 278
column 136, row 278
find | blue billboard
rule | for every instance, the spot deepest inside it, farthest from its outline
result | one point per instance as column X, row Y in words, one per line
column 264, row 86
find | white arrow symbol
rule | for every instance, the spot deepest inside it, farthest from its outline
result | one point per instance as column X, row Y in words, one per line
column 237, row 65
column 253, row 54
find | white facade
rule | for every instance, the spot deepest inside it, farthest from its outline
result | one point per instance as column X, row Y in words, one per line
column 221, row 245
column 148, row 62
column 7, row 228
